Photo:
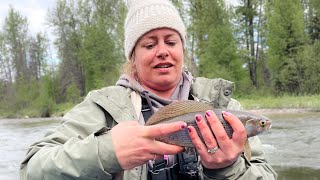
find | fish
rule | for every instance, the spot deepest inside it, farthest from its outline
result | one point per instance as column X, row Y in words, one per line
column 187, row 110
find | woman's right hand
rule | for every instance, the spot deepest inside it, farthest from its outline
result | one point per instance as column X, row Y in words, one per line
column 135, row 144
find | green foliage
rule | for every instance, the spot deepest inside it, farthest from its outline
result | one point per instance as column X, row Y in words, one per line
column 45, row 101
column 313, row 19
column 72, row 93
column 310, row 59
column 15, row 33
column 98, row 55
column 217, row 51
column 284, row 35
column 286, row 38
column 90, row 42
column 285, row 101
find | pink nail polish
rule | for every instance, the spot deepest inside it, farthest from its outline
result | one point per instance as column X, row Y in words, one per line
column 226, row 113
column 189, row 129
column 209, row 113
column 198, row 117
column 183, row 126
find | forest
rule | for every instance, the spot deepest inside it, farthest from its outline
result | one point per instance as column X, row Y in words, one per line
column 267, row 47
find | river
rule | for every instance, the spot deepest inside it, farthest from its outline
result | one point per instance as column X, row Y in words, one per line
column 291, row 145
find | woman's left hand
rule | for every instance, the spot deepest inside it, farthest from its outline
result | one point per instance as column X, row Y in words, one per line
column 224, row 151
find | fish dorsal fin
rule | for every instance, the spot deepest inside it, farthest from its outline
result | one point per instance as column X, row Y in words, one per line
column 177, row 109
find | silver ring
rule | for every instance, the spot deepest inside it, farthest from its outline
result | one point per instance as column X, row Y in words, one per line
column 213, row 150
column 152, row 161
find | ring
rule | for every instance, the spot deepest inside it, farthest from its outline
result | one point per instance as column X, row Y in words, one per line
column 152, row 161
column 213, row 150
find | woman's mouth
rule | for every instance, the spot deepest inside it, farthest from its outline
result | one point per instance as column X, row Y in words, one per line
column 163, row 66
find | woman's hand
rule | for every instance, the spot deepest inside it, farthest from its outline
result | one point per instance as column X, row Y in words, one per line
column 135, row 144
column 224, row 151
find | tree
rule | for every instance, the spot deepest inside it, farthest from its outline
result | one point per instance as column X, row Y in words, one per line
column 64, row 19
column 15, row 33
column 216, row 48
column 90, row 42
column 313, row 19
column 286, row 39
column 102, row 50
column 37, row 53
column 248, row 18
column 184, row 9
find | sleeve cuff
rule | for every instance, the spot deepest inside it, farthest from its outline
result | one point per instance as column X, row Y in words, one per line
column 226, row 172
column 106, row 152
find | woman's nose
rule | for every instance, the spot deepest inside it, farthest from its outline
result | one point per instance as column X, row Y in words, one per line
column 162, row 51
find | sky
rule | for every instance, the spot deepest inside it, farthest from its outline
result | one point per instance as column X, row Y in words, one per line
column 34, row 10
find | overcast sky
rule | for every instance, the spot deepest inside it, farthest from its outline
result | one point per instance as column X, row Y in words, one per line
column 36, row 13
column 34, row 10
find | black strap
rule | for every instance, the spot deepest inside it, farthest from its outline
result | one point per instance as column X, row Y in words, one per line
column 146, row 111
column 187, row 168
column 188, row 164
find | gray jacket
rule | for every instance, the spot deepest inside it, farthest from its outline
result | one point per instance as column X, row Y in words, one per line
column 81, row 146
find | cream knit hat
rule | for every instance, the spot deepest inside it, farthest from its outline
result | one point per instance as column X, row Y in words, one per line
column 146, row 15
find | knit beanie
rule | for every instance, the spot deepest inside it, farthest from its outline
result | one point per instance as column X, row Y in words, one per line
column 146, row 15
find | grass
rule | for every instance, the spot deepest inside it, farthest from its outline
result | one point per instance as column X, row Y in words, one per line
column 249, row 102
column 311, row 102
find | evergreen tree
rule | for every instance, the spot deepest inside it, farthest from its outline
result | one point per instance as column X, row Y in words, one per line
column 286, row 39
column 313, row 19
column 216, row 48
column 15, row 37
column 64, row 18
column 90, row 42
column 248, row 15
column 102, row 51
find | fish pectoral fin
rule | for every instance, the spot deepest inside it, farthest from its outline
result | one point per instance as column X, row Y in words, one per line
column 247, row 150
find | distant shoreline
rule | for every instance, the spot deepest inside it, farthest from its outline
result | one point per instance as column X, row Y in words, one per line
column 281, row 111
column 265, row 111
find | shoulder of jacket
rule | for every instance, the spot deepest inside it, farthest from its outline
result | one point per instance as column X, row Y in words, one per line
column 216, row 91
column 111, row 91
column 217, row 82
column 114, row 99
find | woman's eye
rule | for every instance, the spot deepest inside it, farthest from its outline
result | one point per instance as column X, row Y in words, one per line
column 171, row 43
column 149, row 46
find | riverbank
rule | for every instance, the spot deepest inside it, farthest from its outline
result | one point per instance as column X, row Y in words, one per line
column 256, row 103
column 281, row 111
column 281, row 104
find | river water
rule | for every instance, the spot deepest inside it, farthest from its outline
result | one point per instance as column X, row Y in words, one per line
column 292, row 145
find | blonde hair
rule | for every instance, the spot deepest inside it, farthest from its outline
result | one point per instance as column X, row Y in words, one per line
column 129, row 67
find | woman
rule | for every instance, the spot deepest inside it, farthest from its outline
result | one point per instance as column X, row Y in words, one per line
column 104, row 138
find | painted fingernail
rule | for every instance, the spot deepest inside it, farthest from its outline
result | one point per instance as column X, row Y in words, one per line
column 183, row 126
column 189, row 129
column 209, row 113
column 226, row 113
column 198, row 117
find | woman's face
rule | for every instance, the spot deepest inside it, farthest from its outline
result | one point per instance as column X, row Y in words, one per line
column 158, row 58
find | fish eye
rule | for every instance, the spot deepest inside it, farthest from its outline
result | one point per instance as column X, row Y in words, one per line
column 262, row 123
